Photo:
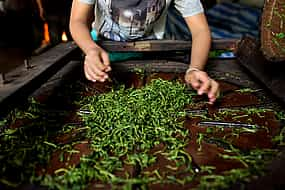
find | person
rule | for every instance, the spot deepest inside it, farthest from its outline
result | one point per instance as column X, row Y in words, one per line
column 56, row 14
column 129, row 20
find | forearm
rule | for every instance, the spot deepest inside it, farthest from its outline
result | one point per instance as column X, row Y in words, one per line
column 201, row 40
column 81, row 35
column 201, row 43
column 80, row 22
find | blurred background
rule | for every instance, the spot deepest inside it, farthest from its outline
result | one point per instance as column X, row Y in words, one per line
column 29, row 27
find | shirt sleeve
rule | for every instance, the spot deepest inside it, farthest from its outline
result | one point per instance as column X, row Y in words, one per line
column 90, row 2
column 189, row 7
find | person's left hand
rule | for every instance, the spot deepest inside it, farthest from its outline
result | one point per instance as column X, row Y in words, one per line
column 201, row 82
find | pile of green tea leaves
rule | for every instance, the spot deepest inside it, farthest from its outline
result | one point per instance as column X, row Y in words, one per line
column 123, row 127
column 126, row 120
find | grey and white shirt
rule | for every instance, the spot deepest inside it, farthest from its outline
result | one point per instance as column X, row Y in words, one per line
column 124, row 20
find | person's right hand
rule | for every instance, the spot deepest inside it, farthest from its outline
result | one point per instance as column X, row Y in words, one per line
column 96, row 64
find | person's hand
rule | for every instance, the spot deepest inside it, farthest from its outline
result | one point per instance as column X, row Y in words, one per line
column 96, row 65
column 201, row 82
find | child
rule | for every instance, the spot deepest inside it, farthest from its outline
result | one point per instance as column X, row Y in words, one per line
column 129, row 20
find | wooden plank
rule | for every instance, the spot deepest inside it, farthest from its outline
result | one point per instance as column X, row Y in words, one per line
column 271, row 75
column 164, row 45
column 150, row 66
column 20, row 82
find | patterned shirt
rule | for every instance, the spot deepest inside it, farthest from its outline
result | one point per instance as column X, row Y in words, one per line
column 125, row 20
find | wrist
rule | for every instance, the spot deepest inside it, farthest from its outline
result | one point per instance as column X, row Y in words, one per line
column 192, row 69
column 92, row 48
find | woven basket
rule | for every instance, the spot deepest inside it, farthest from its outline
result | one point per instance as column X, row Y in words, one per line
column 273, row 30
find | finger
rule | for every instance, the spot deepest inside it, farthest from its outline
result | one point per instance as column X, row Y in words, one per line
column 205, row 84
column 91, row 76
column 88, row 74
column 213, row 92
column 196, row 84
column 106, row 61
column 96, row 66
column 93, row 72
column 98, row 63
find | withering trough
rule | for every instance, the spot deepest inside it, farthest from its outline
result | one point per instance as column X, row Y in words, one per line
column 238, row 142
